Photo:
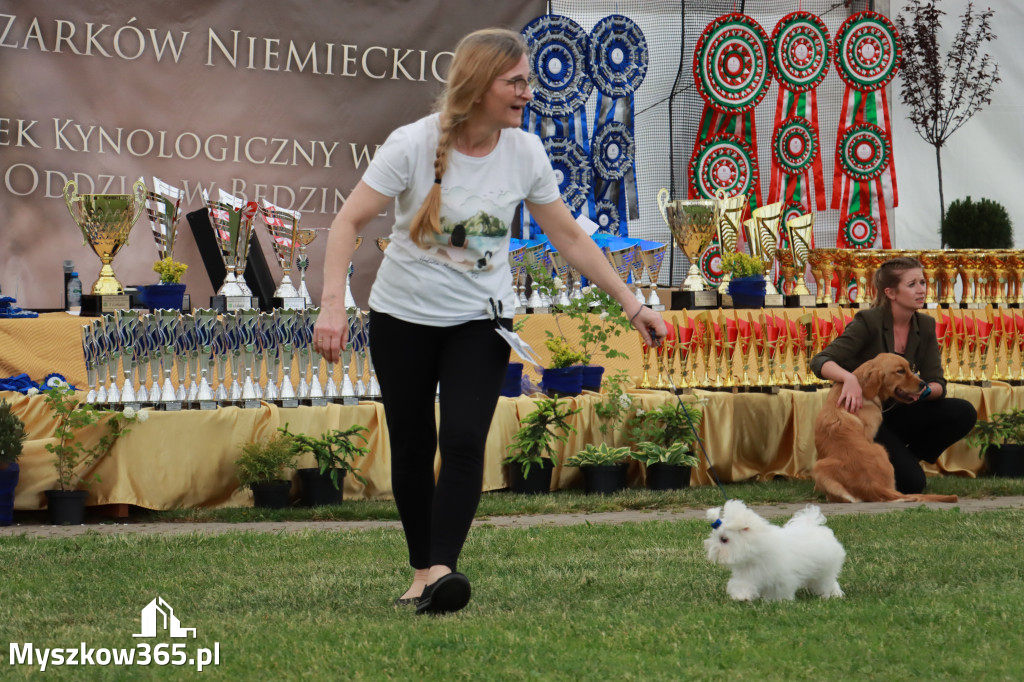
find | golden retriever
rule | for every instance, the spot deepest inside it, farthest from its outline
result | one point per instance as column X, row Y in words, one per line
column 851, row 466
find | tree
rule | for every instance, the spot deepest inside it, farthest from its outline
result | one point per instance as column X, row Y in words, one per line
column 942, row 94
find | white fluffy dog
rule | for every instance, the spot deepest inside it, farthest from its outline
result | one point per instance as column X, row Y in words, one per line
column 770, row 562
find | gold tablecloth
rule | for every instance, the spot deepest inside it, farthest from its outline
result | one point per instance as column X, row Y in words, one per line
column 186, row 459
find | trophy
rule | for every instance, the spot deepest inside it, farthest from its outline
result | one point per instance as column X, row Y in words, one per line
column 163, row 208
column 127, row 325
column 693, row 223
column 99, row 347
column 518, row 269
column 183, row 342
column 205, row 322
column 350, row 301
column 164, row 333
column 316, row 390
column 535, row 261
column 245, row 326
column 730, row 219
column 105, row 221
column 561, row 266
column 652, row 257
column 89, row 352
column 232, row 221
column 621, row 260
column 283, row 226
column 347, row 390
column 285, row 323
column 636, row 266
column 305, row 237
column 801, row 236
column 267, row 332
column 762, row 234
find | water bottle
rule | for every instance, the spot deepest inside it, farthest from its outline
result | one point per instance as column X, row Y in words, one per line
column 74, row 294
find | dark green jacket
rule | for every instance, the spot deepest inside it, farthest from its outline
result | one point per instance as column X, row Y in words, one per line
column 870, row 333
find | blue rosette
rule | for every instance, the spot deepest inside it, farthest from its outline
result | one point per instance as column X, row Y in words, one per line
column 618, row 56
column 613, row 150
column 559, row 58
column 572, row 171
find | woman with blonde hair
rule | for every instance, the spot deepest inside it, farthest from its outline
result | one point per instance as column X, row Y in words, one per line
column 444, row 288
column 921, row 430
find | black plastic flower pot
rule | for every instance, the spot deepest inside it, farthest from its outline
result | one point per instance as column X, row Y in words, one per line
column 272, row 494
column 1005, row 461
column 536, row 482
column 66, row 507
column 661, row 476
column 604, row 479
column 318, row 489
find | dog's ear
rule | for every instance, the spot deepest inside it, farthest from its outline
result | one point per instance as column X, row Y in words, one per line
column 713, row 514
column 871, row 381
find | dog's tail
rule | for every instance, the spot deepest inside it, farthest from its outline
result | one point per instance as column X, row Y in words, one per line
column 810, row 515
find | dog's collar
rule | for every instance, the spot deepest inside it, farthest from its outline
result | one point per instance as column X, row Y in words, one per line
column 716, row 523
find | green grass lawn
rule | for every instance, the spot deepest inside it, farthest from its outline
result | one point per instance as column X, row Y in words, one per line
column 931, row 594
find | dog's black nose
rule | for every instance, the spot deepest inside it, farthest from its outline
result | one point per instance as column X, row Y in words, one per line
column 921, row 384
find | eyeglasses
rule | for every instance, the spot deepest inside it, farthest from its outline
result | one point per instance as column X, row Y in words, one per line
column 520, row 84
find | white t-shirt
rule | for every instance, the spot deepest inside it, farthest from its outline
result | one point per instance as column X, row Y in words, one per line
column 451, row 280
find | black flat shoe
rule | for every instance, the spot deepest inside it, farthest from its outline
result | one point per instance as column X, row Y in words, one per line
column 449, row 594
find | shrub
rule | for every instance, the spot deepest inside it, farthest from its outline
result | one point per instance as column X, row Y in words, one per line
column 977, row 225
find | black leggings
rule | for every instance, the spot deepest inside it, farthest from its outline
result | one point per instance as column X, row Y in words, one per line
column 922, row 430
column 469, row 361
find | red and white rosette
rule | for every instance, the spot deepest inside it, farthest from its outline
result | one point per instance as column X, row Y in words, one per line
column 732, row 75
column 867, row 56
column 800, row 60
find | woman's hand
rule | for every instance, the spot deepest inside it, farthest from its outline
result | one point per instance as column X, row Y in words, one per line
column 852, row 396
column 651, row 326
column 330, row 334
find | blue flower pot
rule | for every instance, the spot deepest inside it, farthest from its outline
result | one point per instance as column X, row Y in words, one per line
column 748, row 292
column 563, row 381
column 513, row 386
column 165, row 296
column 592, row 377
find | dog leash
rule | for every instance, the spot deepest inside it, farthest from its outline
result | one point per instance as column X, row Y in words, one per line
column 686, row 413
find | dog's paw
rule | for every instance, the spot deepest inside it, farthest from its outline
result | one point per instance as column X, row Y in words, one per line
column 742, row 591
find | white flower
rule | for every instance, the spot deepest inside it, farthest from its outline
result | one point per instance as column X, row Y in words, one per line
column 639, row 412
column 586, row 290
column 129, row 413
column 143, row 416
column 603, row 315
column 32, row 391
column 558, row 281
column 625, row 401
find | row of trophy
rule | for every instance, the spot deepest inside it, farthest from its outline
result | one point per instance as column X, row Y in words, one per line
column 106, row 220
column 238, row 359
column 700, row 225
column 758, row 351
column 631, row 259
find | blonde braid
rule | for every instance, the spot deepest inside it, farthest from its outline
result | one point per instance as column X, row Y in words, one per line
column 427, row 220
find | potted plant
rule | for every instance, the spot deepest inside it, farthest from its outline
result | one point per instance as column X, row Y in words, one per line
column 1001, row 443
column 668, row 468
column 564, row 374
column 531, row 453
column 170, row 292
column 599, row 319
column 667, row 427
column 261, row 468
column 334, row 452
column 747, row 283
column 983, row 224
column 603, row 467
column 12, row 435
column 73, row 460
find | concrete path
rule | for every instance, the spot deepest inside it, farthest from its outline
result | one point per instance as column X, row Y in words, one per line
column 766, row 510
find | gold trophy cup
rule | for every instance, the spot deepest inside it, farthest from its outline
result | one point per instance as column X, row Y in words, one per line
column 801, row 231
column 105, row 221
column 693, row 223
column 730, row 219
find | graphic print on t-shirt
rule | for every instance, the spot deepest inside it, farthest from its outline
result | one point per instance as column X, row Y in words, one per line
column 471, row 234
